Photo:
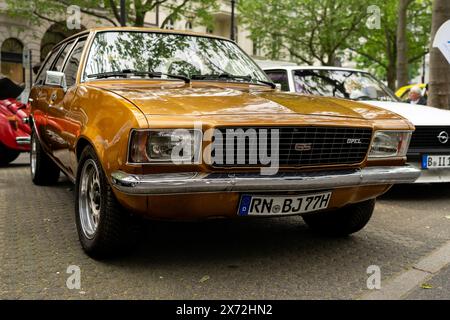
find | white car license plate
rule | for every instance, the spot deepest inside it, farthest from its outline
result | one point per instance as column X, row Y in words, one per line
column 253, row 205
column 435, row 161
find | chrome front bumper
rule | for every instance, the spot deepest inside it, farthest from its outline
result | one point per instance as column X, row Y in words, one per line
column 192, row 182
column 432, row 175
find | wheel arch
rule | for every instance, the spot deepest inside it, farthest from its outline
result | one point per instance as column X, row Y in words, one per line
column 81, row 144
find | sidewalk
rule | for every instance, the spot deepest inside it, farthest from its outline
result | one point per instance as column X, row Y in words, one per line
column 440, row 287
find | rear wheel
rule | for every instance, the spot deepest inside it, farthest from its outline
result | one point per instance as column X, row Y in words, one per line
column 7, row 155
column 104, row 227
column 43, row 170
column 344, row 221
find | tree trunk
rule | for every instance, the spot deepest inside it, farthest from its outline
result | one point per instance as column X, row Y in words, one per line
column 402, row 44
column 439, row 66
column 391, row 54
column 391, row 78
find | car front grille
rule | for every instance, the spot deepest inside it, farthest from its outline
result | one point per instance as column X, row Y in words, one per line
column 427, row 137
column 298, row 146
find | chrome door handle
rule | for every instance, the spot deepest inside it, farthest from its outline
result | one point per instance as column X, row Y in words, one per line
column 53, row 97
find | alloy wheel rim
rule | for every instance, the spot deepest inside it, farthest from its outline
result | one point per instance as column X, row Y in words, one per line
column 89, row 199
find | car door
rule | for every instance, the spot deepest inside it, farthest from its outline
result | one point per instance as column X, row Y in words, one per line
column 69, row 126
column 56, row 110
column 38, row 97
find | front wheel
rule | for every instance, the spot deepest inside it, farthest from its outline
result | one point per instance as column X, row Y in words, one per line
column 104, row 228
column 343, row 221
column 7, row 155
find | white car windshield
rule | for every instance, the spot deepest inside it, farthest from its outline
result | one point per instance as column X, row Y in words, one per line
column 341, row 83
column 135, row 54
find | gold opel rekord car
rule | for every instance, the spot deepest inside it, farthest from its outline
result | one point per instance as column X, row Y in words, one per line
column 174, row 125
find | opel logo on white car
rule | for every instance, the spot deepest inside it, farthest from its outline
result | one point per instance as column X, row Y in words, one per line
column 443, row 137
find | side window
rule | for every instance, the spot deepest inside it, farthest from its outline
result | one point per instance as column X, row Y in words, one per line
column 279, row 76
column 48, row 63
column 58, row 66
column 73, row 63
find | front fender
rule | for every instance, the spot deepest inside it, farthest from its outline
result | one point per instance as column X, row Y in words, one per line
column 103, row 120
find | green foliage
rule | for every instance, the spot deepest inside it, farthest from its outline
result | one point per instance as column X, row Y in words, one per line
column 329, row 31
column 108, row 10
column 304, row 30
column 378, row 49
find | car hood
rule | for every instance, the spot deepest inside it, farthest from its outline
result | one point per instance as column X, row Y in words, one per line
column 204, row 99
column 418, row 115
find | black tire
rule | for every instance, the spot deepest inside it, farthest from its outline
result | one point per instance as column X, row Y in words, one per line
column 43, row 170
column 342, row 222
column 7, row 155
column 116, row 229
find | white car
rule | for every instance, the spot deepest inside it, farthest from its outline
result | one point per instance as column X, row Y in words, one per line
column 430, row 145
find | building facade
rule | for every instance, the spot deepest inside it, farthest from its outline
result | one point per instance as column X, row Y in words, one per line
column 24, row 44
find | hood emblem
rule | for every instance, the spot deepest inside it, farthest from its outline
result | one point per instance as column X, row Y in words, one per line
column 303, row 146
column 443, row 137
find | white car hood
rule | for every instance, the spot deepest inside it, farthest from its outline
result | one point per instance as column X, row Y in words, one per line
column 416, row 114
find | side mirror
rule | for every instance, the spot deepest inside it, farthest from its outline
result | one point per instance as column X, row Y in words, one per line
column 278, row 87
column 57, row 79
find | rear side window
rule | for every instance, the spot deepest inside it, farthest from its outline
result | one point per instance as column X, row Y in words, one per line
column 281, row 77
column 58, row 66
column 47, row 64
column 73, row 63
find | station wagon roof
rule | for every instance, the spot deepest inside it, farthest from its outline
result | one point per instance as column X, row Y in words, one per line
column 144, row 29
column 291, row 68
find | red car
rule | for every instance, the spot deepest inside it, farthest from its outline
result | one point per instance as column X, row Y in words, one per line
column 14, row 128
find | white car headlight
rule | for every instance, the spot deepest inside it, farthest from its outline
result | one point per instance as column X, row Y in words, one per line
column 390, row 144
column 170, row 146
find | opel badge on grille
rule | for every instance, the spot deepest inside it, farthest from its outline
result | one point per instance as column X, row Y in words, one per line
column 354, row 141
column 443, row 137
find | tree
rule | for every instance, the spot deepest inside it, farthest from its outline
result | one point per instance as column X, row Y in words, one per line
column 108, row 10
column 379, row 51
column 402, row 43
column 303, row 30
column 326, row 31
column 439, row 95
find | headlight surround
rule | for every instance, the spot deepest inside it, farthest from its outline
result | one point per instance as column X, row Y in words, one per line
column 165, row 146
column 390, row 144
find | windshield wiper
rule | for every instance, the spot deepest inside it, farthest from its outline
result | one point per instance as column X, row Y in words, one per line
column 220, row 76
column 229, row 76
column 271, row 84
column 124, row 73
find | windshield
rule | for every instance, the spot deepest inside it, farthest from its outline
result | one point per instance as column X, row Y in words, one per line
column 343, row 84
column 169, row 54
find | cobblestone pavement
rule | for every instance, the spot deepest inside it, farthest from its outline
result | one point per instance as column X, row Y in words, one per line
column 260, row 259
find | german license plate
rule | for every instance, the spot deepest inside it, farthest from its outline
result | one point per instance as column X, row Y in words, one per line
column 253, row 205
column 435, row 161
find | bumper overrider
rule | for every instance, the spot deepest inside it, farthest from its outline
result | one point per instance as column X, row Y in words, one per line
column 195, row 182
column 23, row 141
